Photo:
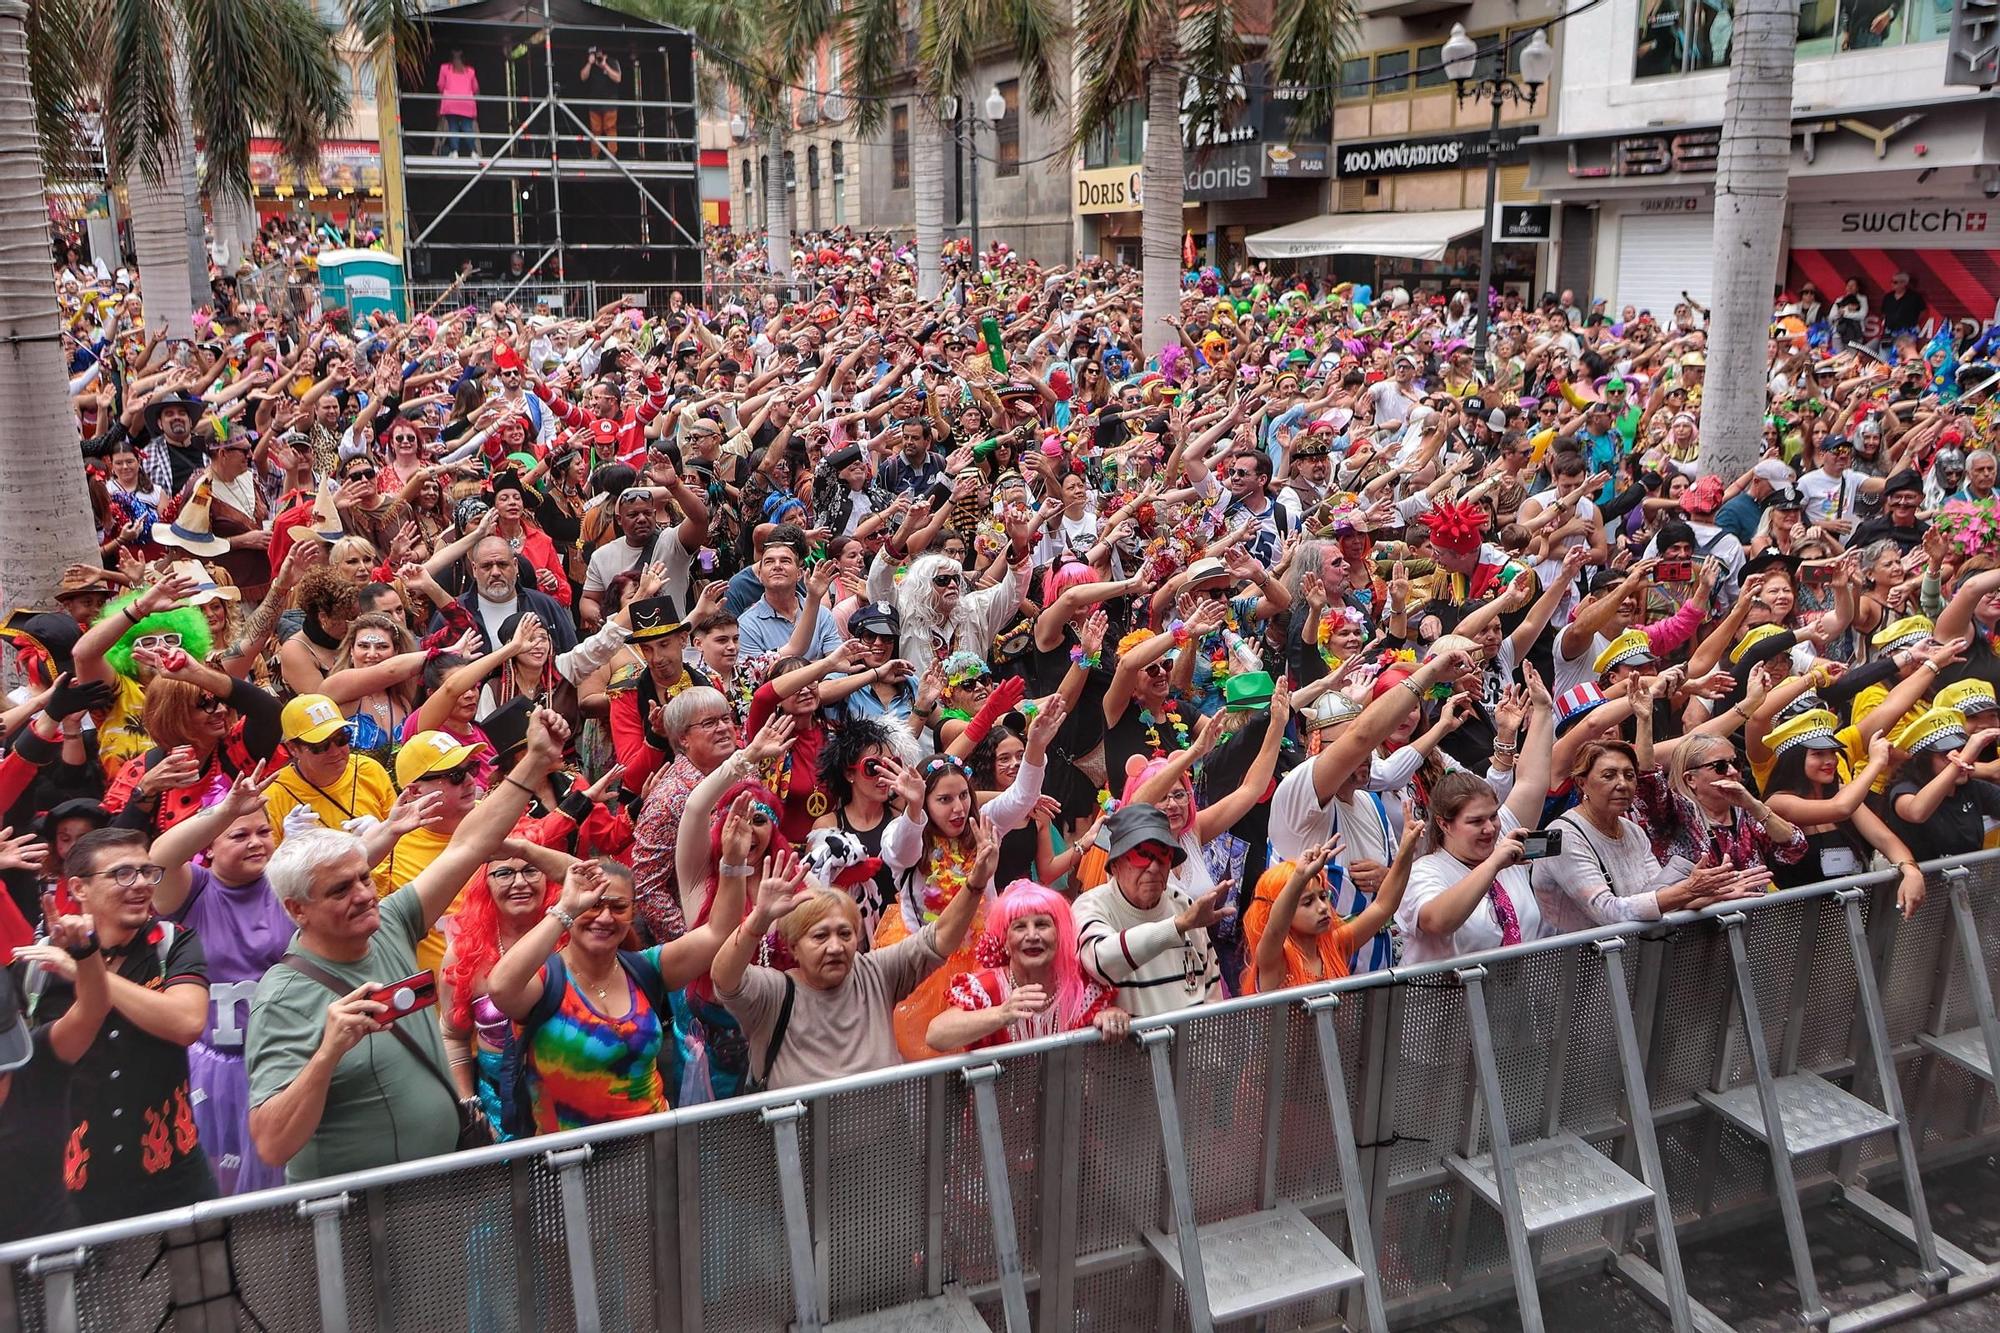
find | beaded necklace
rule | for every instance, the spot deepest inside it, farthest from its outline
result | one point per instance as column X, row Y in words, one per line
column 950, row 875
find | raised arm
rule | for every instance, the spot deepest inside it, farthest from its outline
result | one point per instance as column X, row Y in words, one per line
column 487, row 826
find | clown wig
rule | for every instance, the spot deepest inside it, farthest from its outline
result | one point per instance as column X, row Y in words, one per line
column 1074, row 996
column 186, row 621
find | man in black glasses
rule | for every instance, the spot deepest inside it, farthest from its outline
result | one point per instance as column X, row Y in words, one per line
column 132, row 1146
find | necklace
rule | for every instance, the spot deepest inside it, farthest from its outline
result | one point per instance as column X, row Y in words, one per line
column 1152, row 726
column 950, row 875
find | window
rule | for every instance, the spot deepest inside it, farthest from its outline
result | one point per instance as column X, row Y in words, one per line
column 1354, row 80
column 747, row 183
column 1119, row 142
column 812, row 166
column 1430, row 67
column 839, row 160
column 899, row 148
column 1007, row 132
column 791, row 170
column 1392, row 72
column 1681, row 36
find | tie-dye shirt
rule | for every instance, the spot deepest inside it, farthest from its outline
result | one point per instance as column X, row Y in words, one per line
column 585, row 1067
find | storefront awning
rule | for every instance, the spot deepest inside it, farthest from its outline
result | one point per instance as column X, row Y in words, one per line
column 1391, row 235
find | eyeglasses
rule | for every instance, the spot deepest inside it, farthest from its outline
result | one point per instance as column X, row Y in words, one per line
column 126, row 877
column 208, row 703
column 403, row 437
column 339, row 740
column 1716, row 766
column 502, row 876
column 942, row 581
column 713, row 721
column 157, row 642
column 1155, row 668
column 455, row 777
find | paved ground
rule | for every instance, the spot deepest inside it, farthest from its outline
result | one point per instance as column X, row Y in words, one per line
column 1745, row 1278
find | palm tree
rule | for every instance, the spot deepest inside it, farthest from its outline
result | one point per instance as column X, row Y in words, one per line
column 45, row 518
column 950, row 35
column 1752, row 169
column 1147, row 48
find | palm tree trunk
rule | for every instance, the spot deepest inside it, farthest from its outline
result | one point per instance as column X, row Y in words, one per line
column 1160, row 183
column 166, row 232
column 777, row 201
column 1750, row 181
column 235, row 224
column 45, row 520
column 927, row 196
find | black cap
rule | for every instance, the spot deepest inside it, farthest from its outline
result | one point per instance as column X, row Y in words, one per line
column 1788, row 498
column 1905, row 480
column 654, row 618
column 844, row 458
column 874, row 618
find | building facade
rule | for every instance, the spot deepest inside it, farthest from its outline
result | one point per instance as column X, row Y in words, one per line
column 819, row 159
column 1893, row 168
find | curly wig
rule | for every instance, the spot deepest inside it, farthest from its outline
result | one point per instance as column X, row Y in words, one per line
column 186, row 621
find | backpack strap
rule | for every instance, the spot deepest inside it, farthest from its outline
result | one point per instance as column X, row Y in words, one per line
column 778, row 1030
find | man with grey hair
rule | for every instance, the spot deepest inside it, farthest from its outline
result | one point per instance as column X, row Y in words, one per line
column 1982, row 470
column 496, row 594
column 332, row 1087
column 700, row 727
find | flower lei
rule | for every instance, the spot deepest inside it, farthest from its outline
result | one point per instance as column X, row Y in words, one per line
column 950, row 875
column 1324, row 634
column 1152, row 726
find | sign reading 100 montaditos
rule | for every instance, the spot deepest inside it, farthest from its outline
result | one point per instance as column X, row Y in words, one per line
column 1441, row 152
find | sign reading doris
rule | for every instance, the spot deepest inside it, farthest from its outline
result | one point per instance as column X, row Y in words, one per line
column 1108, row 190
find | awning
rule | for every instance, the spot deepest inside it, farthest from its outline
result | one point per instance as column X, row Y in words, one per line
column 1391, row 235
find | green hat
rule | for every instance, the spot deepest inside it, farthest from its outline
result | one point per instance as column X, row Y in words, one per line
column 1247, row 691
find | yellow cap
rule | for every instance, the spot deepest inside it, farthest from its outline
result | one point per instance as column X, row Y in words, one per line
column 1631, row 646
column 1933, row 729
column 430, row 752
column 1968, row 696
column 311, row 717
column 1751, row 640
column 1814, row 730
column 1905, row 633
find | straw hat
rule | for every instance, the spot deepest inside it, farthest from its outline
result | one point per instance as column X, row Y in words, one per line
column 194, row 530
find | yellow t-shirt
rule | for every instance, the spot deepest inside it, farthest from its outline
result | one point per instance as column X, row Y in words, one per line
column 413, row 855
column 363, row 788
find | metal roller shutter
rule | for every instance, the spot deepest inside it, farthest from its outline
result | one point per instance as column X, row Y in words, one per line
column 1659, row 257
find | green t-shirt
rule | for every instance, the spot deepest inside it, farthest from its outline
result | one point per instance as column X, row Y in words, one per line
column 382, row 1106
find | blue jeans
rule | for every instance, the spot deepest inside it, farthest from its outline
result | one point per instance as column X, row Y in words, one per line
column 457, row 133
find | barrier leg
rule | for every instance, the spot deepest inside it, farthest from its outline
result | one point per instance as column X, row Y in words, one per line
column 1173, row 1152
column 325, row 1215
column 576, row 1235
column 1977, row 983
column 1934, row 1274
column 1639, row 1104
column 1360, row 1235
column 784, row 1123
column 58, row 1275
column 1811, row 1309
column 999, row 1197
column 1519, row 1257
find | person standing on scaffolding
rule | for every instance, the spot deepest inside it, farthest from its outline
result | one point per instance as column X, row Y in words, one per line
column 602, row 77
column 458, row 113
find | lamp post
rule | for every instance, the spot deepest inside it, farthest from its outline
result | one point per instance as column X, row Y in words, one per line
column 1461, row 64
column 995, row 107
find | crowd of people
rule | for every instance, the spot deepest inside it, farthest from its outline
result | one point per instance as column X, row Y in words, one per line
column 490, row 723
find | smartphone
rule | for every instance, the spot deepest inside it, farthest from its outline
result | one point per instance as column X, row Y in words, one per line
column 1676, row 571
column 1816, row 576
column 405, row 997
column 635, row 300
column 1538, row 846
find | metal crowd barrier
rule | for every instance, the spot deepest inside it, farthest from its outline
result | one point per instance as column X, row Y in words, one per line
column 1382, row 1150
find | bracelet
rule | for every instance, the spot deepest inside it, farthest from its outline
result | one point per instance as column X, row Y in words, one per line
column 1412, row 687
column 1500, row 748
column 126, row 611
column 84, row 951
column 1932, row 665
column 568, row 921
column 725, row 870
column 513, row 782
column 1078, row 657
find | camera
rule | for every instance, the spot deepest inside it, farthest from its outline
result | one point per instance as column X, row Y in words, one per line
column 1538, row 846
column 1676, row 570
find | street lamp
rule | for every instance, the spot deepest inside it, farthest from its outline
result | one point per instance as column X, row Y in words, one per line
column 738, row 127
column 1461, row 63
column 995, row 107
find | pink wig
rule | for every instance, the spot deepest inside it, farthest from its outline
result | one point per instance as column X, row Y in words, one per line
column 758, row 792
column 1069, row 574
column 1025, row 898
column 1138, row 770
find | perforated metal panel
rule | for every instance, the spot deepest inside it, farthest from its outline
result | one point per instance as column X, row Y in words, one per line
column 1224, row 1067
column 1696, row 981
column 277, row 1275
column 1118, row 1152
column 449, row 1250
column 968, row 1257
column 1432, row 1097
column 113, row 1289
column 876, row 1213
column 746, row 1283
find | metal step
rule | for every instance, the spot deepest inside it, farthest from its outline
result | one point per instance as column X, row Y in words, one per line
column 1817, row 1115
column 952, row 1312
column 1261, row 1261
column 1967, row 1048
column 1562, row 1179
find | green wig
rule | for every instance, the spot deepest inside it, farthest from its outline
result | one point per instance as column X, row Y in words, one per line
column 186, row 621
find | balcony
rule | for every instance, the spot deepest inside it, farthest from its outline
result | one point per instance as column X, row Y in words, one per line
column 1402, row 9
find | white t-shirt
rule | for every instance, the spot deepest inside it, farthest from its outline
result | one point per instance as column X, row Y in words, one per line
column 613, row 558
column 1574, row 671
column 492, row 615
column 1831, row 497
column 1433, row 875
column 1392, row 401
column 1298, row 820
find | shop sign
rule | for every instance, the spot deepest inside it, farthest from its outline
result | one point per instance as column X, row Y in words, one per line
column 1673, row 203
column 1694, row 152
column 1297, row 160
column 1229, row 172
column 1893, row 226
column 1108, row 190
column 1972, row 52
column 345, row 167
column 1444, row 152
column 1524, row 222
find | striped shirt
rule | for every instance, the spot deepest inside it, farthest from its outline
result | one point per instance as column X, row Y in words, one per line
column 1155, row 969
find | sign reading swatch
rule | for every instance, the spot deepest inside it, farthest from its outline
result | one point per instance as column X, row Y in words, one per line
column 1443, row 152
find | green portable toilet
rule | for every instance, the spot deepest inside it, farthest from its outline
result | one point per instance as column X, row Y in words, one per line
column 364, row 281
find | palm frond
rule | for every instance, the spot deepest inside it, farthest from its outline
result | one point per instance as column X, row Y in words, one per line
column 393, row 26
column 138, row 87
column 1309, row 39
column 1211, row 57
column 63, row 72
column 872, row 31
column 227, row 59
column 307, row 101
column 1110, row 41
column 1040, row 36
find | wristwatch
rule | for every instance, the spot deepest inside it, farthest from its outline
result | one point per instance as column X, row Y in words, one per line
column 83, row 951
column 568, row 921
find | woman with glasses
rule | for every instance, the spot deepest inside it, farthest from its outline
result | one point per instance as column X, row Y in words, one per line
column 1698, row 812
column 406, row 465
column 594, row 1012
column 206, row 729
column 504, row 902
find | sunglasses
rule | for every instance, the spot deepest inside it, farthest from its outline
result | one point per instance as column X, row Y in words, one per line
column 208, row 703
column 455, row 777
column 947, row 581
column 639, row 493
column 403, row 437
column 362, row 474
column 1150, row 854
column 339, row 740
column 1716, row 766
column 1156, row 668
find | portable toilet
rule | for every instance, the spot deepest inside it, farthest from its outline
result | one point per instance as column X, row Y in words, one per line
column 364, row 281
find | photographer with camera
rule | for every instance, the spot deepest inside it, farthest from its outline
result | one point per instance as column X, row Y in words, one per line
column 1600, row 869
column 601, row 75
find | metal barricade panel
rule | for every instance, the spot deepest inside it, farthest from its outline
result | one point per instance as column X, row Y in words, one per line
column 1918, row 948
column 1223, row 1063
column 1306, row 1167
column 1696, row 984
column 1829, row 1036
column 1432, row 1099
column 968, row 1258
column 618, row 1186
column 1118, row 1157
column 276, row 1275
column 745, row 1283
column 876, row 1172
column 114, row 1290
column 448, row 1245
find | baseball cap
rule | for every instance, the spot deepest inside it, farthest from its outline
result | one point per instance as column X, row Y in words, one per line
column 1773, row 471
column 874, row 618
column 312, row 718
column 431, row 752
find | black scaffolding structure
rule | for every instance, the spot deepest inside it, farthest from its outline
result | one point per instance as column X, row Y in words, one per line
column 569, row 177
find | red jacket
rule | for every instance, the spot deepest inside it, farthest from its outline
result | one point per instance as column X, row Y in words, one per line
column 631, row 423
